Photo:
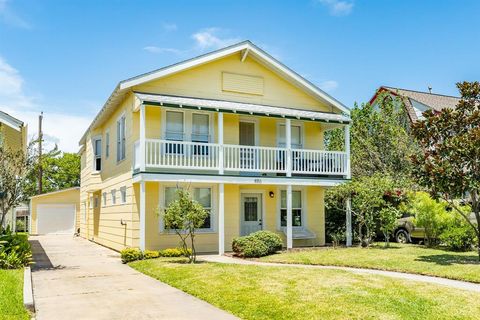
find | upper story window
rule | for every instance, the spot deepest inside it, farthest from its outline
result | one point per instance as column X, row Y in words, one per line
column 121, row 137
column 296, row 136
column 296, row 208
column 174, row 126
column 200, row 127
column 97, row 154
column 107, row 144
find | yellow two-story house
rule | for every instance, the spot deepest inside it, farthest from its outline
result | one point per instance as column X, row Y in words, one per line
column 237, row 128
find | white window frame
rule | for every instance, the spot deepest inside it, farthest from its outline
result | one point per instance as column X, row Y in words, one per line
column 95, row 156
column 304, row 215
column 296, row 124
column 213, row 209
column 121, row 149
column 104, row 199
column 107, row 144
column 113, row 194
column 123, row 195
column 187, row 123
column 256, row 127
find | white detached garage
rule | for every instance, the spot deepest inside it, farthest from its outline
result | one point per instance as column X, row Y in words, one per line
column 55, row 212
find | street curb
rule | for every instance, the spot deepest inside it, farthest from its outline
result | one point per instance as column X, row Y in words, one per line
column 28, row 290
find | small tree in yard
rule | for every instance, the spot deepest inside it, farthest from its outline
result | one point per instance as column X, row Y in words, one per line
column 449, row 161
column 184, row 216
column 15, row 166
column 388, row 222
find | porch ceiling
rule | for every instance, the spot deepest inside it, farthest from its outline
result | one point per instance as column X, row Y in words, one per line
column 237, row 107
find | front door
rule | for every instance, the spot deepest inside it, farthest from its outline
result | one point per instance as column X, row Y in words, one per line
column 251, row 213
column 247, row 138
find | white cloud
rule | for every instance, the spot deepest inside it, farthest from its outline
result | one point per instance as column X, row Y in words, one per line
column 328, row 85
column 169, row 27
column 154, row 49
column 211, row 38
column 9, row 17
column 63, row 129
column 338, row 7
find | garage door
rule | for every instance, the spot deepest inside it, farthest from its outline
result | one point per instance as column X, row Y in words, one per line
column 55, row 218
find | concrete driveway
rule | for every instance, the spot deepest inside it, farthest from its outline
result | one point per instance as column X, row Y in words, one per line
column 76, row 279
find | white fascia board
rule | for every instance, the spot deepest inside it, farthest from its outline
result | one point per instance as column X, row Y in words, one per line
column 11, row 121
column 159, row 177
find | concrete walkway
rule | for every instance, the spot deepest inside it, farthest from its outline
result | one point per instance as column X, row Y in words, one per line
column 463, row 285
column 76, row 279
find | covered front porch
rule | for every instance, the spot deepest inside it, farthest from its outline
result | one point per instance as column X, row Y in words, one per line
column 237, row 207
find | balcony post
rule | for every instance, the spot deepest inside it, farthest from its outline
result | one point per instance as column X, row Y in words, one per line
column 348, row 174
column 220, row 143
column 289, row 217
column 288, row 146
column 221, row 219
column 142, row 138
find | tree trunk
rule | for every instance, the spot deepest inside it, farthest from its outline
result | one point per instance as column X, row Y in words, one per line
column 193, row 256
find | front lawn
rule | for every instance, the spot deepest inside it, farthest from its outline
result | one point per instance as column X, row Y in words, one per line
column 404, row 258
column 11, row 295
column 264, row 292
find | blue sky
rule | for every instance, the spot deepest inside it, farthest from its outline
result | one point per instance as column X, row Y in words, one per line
column 65, row 57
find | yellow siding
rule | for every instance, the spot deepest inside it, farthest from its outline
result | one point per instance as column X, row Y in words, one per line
column 12, row 138
column 69, row 196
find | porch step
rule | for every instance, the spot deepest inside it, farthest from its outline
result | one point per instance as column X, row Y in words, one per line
column 301, row 234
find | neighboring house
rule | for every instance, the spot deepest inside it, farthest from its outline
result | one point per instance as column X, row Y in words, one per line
column 13, row 135
column 55, row 212
column 240, row 130
column 417, row 102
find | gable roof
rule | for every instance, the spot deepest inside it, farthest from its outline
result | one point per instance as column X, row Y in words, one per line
column 246, row 47
column 432, row 100
column 10, row 121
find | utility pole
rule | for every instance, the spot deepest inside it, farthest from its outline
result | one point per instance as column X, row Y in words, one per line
column 40, row 138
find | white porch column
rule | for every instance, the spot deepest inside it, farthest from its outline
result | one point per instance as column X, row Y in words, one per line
column 288, row 146
column 142, row 138
column 347, row 151
column 221, row 219
column 289, row 217
column 348, row 218
column 142, row 215
column 220, row 142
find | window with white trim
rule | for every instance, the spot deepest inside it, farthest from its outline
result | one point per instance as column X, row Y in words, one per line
column 104, row 199
column 114, row 196
column 95, row 202
column 202, row 195
column 121, row 138
column 296, row 208
column 174, row 126
column 107, row 144
column 123, row 194
column 200, row 127
column 296, row 136
column 97, row 154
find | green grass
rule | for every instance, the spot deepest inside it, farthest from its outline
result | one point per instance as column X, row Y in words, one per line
column 11, row 295
column 264, row 292
column 404, row 258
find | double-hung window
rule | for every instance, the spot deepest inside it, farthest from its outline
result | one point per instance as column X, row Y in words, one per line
column 296, row 136
column 104, row 199
column 114, row 196
column 201, row 195
column 121, row 137
column 200, row 132
column 296, row 208
column 123, row 194
column 97, row 152
column 174, row 131
column 107, row 144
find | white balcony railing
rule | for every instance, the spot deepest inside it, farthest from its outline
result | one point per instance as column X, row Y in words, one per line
column 237, row 158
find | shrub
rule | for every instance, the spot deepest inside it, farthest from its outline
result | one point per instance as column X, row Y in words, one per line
column 175, row 252
column 249, row 247
column 150, row 254
column 272, row 240
column 459, row 236
column 131, row 254
column 15, row 251
column 337, row 237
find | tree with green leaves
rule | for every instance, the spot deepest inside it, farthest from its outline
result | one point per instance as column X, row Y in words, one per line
column 184, row 215
column 448, row 163
column 15, row 167
column 380, row 141
column 61, row 170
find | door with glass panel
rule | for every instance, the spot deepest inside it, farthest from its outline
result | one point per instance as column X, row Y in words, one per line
column 251, row 213
column 174, row 131
column 247, row 155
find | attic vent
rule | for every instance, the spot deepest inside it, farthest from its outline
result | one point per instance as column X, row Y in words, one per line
column 242, row 83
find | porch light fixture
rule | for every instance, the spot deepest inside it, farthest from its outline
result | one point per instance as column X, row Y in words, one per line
column 271, row 194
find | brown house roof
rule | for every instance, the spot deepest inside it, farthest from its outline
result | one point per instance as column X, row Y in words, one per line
column 432, row 100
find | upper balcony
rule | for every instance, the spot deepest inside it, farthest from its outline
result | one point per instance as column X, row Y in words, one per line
column 196, row 150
